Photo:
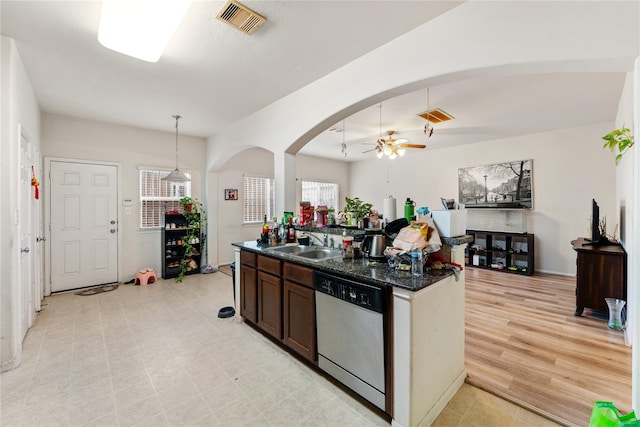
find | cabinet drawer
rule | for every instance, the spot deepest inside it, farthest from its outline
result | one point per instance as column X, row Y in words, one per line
column 298, row 274
column 248, row 258
column 270, row 265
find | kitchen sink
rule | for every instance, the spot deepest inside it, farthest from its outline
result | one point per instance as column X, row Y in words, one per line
column 319, row 254
column 292, row 249
column 313, row 253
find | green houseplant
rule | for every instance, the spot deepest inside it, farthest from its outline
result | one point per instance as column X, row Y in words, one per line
column 187, row 204
column 355, row 208
column 195, row 219
column 620, row 139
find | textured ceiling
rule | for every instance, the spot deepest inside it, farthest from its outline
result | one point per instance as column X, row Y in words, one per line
column 214, row 75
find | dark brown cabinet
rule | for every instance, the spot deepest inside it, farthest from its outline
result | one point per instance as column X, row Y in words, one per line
column 179, row 236
column 601, row 273
column 299, row 310
column 508, row 252
column 280, row 299
column 270, row 296
column 248, row 286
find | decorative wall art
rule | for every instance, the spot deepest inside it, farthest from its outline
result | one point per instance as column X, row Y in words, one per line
column 501, row 185
column 231, row 194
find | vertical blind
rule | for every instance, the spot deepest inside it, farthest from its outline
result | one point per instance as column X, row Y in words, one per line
column 320, row 193
column 158, row 197
column 259, row 199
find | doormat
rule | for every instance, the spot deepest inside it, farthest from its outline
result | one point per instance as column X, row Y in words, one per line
column 97, row 290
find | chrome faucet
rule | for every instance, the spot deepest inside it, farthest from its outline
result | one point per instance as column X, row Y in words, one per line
column 323, row 241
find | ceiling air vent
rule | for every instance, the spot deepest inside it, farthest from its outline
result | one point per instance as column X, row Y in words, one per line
column 240, row 17
column 436, row 116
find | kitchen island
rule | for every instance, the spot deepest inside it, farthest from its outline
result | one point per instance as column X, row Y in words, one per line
column 423, row 321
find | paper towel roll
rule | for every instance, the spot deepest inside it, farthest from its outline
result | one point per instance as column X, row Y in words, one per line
column 389, row 210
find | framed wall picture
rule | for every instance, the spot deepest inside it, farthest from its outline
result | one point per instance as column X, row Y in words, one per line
column 499, row 185
column 231, row 194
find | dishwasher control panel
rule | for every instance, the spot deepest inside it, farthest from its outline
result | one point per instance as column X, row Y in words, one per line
column 360, row 294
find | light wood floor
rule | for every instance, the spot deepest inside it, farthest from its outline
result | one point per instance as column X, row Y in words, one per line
column 524, row 344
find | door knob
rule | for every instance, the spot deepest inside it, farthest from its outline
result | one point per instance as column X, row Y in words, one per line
column 25, row 250
column 113, row 230
column 41, row 239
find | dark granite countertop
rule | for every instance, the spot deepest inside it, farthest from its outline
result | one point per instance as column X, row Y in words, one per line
column 363, row 270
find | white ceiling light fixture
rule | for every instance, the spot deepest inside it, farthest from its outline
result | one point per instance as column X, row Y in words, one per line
column 140, row 28
column 176, row 175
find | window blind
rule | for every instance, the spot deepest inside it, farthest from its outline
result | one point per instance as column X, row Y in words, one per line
column 320, row 193
column 259, row 199
column 158, row 197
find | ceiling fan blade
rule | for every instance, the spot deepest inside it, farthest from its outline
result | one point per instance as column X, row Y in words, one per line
column 413, row 146
column 367, row 151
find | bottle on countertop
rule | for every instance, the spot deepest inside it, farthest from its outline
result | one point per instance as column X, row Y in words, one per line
column 409, row 209
column 291, row 231
column 275, row 232
column 265, row 225
column 416, row 261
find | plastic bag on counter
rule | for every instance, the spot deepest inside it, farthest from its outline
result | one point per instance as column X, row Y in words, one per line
column 422, row 235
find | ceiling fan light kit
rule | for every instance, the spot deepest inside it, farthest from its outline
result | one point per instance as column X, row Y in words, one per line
column 391, row 147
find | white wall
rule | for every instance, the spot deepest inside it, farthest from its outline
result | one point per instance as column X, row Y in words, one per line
column 19, row 108
column 310, row 168
column 260, row 162
column 68, row 137
column 569, row 168
column 253, row 162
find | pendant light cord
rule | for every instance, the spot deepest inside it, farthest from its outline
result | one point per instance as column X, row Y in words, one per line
column 177, row 117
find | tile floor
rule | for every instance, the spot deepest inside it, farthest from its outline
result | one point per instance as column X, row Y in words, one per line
column 158, row 355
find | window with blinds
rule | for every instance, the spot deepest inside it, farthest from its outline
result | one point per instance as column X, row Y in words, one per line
column 158, row 197
column 259, row 199
column 320, row 193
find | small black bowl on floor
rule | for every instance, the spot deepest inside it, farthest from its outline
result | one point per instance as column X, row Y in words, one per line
column 226, row 312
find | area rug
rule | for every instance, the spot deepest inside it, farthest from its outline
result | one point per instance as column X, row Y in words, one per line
column 98, row 290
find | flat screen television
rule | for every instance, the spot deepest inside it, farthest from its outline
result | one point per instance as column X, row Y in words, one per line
column 596, row 237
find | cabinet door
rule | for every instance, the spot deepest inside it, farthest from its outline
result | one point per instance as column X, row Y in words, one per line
column 300, row 319
column 600, row 276
column 270, row 304
column 248, row 294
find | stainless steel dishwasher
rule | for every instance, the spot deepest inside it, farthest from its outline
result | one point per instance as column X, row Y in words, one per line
column 349, row 321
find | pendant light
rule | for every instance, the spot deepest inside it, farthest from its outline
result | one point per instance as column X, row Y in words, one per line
column 428, row 128
column 344, row 144
column 379, row 147
column 176, row 175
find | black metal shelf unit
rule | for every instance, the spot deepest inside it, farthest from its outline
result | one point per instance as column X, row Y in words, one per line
column 508, row 252
column 174, row 236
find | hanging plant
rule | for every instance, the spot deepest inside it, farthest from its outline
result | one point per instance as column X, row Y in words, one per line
column 620, row 139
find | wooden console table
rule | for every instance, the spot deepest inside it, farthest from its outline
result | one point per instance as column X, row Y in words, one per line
column 601, row 273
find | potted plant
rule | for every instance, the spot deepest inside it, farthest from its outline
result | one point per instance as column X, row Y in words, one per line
column 620, row 139
column 187, row 204
column 195, row 219
column 355, row 209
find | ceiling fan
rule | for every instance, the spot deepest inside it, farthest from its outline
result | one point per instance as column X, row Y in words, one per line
column 393, row 147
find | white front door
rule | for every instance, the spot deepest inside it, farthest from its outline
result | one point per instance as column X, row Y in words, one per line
column 84, row 225
column 25, row 295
